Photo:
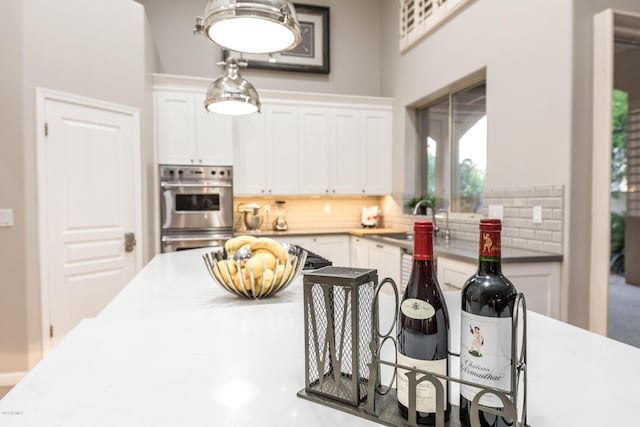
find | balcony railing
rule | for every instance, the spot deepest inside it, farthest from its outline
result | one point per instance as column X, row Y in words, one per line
column 418, row 18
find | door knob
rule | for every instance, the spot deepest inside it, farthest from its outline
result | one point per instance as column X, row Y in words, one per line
column 129, row 242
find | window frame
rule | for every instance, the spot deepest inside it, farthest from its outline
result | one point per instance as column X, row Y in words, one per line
column 421, row 175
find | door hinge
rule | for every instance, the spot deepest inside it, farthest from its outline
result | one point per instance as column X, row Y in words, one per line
column 50, row 331
column 46, row 129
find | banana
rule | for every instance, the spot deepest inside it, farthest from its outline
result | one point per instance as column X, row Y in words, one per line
column 272, row 246
column 236, row 243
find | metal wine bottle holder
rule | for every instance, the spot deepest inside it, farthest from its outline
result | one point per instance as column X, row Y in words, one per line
column 340, row 311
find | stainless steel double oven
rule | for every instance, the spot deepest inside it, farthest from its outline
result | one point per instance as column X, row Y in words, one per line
column 196, row 204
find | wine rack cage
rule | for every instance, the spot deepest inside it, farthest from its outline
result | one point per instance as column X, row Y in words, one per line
column 343, row 343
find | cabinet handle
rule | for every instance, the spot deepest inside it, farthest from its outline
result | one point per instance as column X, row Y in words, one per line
column 363, row 191
column 326, row 191
column 379, row 246
column 334, row 191
column 200, row 160
column 262, row 191
column 269, row 191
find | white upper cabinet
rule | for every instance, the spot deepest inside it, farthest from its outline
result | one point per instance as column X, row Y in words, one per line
column 282, row 149
column 314, row 147
column 214, row 137
column 187, row 134
column 376, row 140
column 175, row 130
column 301, row 143
column 265, row 152
column 346, row 152
column 250, row 154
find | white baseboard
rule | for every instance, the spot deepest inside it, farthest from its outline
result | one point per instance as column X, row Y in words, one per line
column 9, row 379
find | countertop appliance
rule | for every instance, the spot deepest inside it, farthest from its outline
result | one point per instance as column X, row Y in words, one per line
column 252, row 220
column 280, row 223
column 196, row 205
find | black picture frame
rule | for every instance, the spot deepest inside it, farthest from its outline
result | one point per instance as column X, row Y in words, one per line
column 310, row 56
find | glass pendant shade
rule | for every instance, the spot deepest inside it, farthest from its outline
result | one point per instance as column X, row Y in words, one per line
column 254, row 26
column 232, row 95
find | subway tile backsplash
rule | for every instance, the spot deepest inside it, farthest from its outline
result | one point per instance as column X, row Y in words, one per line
column 343, row 212
column 518, row 203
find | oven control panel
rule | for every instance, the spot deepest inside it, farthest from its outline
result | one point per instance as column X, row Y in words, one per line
column 195, row 173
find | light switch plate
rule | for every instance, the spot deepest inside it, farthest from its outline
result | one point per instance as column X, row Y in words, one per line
column 537, row 214
column 6, row 217
column 496, row 211
column 267, row 209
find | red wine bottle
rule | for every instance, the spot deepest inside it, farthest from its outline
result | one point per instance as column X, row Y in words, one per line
column 423, row 329
column 488, row 299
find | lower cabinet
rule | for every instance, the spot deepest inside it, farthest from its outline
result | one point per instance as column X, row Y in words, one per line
column 366, row 253
column 539, row 281
column 335, row 248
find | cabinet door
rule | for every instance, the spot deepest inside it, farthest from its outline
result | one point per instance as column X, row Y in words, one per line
column 213, row 135
column 282, row 151
column 540, row 283
column 346, row 152
column 452, row 274
column 175, row 127
column 250, row 155
column 376, row 137
column 333, row 248
column 358, row 257
column 314, row 146
column 386, row 259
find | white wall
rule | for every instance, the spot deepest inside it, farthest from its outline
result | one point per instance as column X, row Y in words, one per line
column 528, row 67
column 13, row 307
column 354, row 48
column 91, row 48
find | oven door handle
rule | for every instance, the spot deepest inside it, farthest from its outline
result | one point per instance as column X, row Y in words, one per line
column 194, row 185
column 193, row 239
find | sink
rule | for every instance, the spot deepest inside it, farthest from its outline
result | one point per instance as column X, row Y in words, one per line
column 399, row 236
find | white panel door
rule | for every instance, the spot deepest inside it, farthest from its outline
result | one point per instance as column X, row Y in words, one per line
column 89, row 194
column 282, row 153
column 214, row 143
column 175, row 127
column 346, row 154
column 376, row 129
column 314, row 151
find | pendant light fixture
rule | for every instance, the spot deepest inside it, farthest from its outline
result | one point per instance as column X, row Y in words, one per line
column 252, row 26
column 231, row 94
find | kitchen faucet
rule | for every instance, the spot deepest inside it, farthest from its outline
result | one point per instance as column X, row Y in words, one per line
column 433, row 214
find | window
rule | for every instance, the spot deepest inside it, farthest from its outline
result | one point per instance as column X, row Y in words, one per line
column 452, row 150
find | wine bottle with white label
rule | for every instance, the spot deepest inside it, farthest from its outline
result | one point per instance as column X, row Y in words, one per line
column 488, row 299
column 423, row 330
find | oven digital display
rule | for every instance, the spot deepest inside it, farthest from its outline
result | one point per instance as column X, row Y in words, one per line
column 197, row 202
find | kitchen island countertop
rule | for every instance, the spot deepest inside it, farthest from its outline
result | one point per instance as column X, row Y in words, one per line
column 174, row 349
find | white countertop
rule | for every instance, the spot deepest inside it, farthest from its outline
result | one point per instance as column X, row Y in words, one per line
column 173, row 349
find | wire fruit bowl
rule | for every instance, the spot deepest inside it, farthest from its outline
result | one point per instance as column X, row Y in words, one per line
column 256, row 270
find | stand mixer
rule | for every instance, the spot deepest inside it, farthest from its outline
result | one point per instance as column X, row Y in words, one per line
column 252, row 220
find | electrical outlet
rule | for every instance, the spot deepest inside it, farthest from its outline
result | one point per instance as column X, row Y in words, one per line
column 537, row 214
column 496, row 211
column 327, row 208
column 6, row 217
column 267, row 209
